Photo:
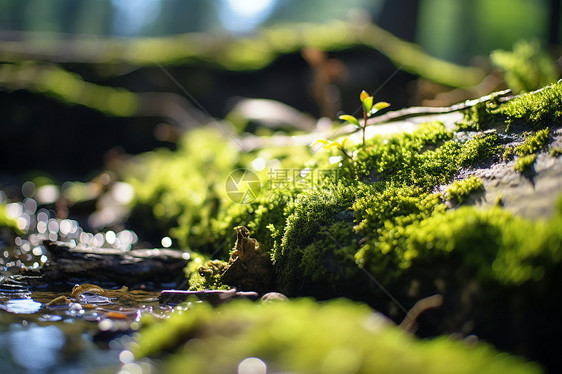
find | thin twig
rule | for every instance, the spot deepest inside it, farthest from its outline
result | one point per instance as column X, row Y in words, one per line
column 422, row 110
column 419, row 307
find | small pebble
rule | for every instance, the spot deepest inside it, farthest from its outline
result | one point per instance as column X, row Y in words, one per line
column 273, row 296
column 105, row 325
column 74, row 306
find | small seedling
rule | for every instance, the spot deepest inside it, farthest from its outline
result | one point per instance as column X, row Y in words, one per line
column 369, row 110
column 339, row 145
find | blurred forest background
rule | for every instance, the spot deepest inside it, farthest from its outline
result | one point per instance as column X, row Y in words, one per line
column 83, row 83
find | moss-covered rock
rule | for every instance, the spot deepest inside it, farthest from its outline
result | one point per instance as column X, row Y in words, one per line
column 426, row 158
column 533, row 143
column 538, row 109
column 387, row 226
column 309, row 218
column 206, row 274
column 524, row 162
column 482, row 115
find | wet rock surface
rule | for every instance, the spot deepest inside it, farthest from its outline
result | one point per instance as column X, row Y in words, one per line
column 113, row 265
column 530, row 194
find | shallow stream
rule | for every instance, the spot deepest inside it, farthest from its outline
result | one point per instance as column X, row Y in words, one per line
column 86, row 335
column 45, row 327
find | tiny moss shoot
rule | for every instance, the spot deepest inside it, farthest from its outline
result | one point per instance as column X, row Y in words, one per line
column 533, row 143
column 508, row 154
column 555, row 152
column 527, row 151
column 460, row 190
column 524, row 162
column 327, row 144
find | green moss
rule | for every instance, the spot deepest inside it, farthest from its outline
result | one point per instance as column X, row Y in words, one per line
column 329, row 259
column 491, row 243
column 432, row 133
column 7, row 221
column 527, row 67
column 204, row 274
column 527, row 151
column 398, row 158
column 458, row 233
column 377, row 207
column 508, row 154
column 381, row 219
column 533, row 143
column 422, row 160
column 479, row 149
column 309, row 217
column 524, row 162
column 303, row 336
column 504, row 252
column 481, row 116
column 555, row 152
column 265, row 218
column 460, row 190
column 407, row 166
column 539, row 109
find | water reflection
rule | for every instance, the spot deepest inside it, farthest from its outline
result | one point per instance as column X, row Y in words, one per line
column 21, row 306
column 40, row 338
column 37, row 225
column 32, row 348
column 35, row 348
column 67, row 338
